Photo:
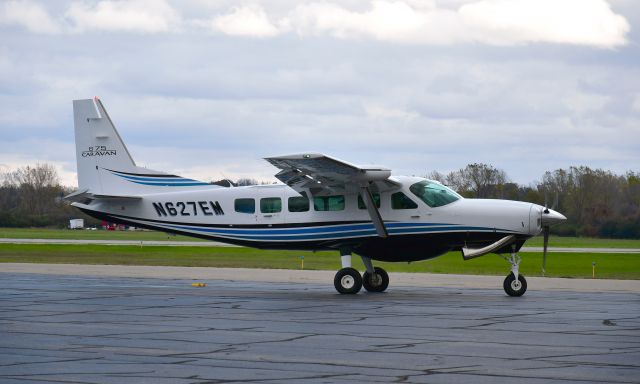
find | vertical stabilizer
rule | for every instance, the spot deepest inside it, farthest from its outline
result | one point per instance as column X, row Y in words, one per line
column 98, row 144
column 104, row 163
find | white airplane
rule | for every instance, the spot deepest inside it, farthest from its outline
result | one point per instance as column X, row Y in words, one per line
column 323, row 204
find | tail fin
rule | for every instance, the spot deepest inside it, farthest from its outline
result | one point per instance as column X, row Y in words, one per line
column 104, row 163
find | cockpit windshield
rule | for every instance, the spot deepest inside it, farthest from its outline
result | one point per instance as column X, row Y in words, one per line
column 434, row 194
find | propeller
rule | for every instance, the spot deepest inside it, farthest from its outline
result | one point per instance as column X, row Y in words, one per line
column 548, row 217
column 545, row 234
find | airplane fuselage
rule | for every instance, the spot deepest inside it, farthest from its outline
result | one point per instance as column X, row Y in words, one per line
column 271, row 217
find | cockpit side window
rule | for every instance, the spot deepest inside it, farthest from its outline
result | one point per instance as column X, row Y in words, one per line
column 434, row 194
column 401, row 201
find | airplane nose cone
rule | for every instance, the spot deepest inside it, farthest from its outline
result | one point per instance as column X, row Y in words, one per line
column 551, row 217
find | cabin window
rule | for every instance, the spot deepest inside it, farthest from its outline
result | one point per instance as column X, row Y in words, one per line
column 270, row 205
column 245, row 205
column 376, row 199
column 434, row 194
column 328, row 203
column 401, row 201
column 299, row 203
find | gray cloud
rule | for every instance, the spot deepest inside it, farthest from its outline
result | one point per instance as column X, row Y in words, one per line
column 215, row 104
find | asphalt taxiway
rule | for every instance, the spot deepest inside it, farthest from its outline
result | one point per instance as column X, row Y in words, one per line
column 58, row 326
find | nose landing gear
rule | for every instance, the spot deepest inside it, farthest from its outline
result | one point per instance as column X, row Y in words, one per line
column 349, row 281
column 514, row 284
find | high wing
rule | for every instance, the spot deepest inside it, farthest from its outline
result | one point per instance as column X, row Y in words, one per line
column 321, row 175
column 324, row 175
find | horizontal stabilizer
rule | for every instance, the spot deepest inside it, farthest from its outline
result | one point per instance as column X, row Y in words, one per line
column 117, row 197
column 81, row 196
column 470, row 253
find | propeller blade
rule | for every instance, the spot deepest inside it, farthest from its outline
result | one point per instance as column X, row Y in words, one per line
column 545, row 231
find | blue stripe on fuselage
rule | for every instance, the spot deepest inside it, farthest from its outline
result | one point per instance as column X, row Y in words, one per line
column 161, row 181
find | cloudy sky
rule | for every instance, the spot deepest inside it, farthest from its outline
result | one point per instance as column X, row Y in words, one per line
column 206, row 89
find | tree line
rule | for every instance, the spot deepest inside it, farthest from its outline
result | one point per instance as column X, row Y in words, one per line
column 596, row 202
column 32, row 196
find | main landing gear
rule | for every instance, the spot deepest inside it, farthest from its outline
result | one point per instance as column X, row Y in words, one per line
column 349, row 281
column 514, row 284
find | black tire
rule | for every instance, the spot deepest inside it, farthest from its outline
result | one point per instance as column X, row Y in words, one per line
column 512, row 288
column 378, row 282
column 348, row 281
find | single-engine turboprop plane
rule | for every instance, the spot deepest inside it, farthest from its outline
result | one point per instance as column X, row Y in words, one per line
column 323, row 204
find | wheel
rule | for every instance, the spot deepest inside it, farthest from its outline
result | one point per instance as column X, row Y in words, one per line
column 515, row 287
column 376, row 282
column 348, row 281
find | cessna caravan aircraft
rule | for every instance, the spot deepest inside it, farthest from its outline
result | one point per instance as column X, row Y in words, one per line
column 323, row 204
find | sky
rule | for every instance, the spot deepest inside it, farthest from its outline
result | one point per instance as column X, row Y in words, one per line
column 206, row 89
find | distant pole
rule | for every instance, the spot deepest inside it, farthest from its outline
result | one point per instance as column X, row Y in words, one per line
column 302, row 262
column 593, row 270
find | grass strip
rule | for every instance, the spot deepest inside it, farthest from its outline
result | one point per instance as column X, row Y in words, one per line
column 572, row 265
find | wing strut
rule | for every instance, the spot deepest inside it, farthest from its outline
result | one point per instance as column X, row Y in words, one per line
column 365, row 192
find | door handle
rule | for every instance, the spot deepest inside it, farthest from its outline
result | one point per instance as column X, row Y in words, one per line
column 415, row 216
column 267, row 215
